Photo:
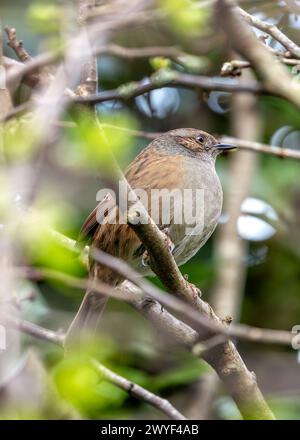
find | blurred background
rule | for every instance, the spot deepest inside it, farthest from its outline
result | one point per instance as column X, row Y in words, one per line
column 249, row 269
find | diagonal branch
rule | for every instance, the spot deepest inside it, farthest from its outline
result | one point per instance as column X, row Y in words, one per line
column 275, row 77
column 272, row 30
column 31, row 329
column 144, row 290
column 16, row 45
column 139, row 392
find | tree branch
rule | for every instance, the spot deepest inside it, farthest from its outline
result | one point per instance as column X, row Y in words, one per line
column 171, row 79
column 272, row 30
column 32, row 329
column 275, row 77
column 88, row 70
column 16, row 45
column 139, row 392
column 284, row 153
column 240, row 143
column 235, row 67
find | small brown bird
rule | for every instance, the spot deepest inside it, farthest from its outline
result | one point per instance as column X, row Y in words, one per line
column 182, row 159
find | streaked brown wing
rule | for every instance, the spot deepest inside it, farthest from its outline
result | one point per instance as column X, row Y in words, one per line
column 149, row 170
column 95, row 219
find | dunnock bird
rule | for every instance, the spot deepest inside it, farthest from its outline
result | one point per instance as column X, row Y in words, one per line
column 179, row 159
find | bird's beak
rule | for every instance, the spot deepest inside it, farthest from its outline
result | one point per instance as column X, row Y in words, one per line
column 225, row 147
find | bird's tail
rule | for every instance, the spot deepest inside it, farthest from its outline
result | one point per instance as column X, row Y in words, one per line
column 84, row 325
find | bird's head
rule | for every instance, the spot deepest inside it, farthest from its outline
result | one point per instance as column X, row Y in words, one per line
column 197, row 143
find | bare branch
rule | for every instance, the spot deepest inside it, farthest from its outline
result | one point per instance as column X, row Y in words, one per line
column 94, row 30
column 15, row 111
column 272, row 30
column 139, row 392
column 241, row 383
column 172, row 79
column 31, row 329
column 284, row 153
column 129, row 53
column 234, row 67
column 263, row 148
column 16, row 45
column 276, row 78
column 88, row 70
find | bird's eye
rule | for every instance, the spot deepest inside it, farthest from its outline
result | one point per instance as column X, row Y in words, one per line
column 200, row 139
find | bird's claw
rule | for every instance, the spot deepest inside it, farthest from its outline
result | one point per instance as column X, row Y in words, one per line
column 146, row 259
column 194, row 289
column 169, row 242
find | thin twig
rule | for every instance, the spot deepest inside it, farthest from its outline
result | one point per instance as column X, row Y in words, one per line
column 15, row 111
column 263, row 148
column 172, row 79
column 240, row 143
column 130, row 53
column 275, row 77
column 272, row 30
column 234, row 67
column 139, row 392
column 32, row 329
column 17, row 45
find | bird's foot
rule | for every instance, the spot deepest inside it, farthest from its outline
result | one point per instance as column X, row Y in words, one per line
column 194, row 289
column 146, row 259
column 169, row 242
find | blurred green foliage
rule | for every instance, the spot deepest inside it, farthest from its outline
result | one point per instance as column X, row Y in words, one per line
column 98, row 145
column 185, row 15
column 45, row 17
